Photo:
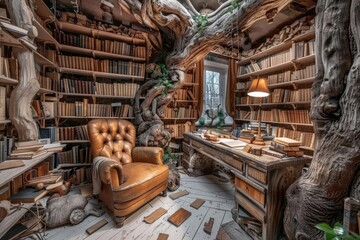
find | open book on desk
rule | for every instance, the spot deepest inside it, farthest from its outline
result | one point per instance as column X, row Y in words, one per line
column 233, row 143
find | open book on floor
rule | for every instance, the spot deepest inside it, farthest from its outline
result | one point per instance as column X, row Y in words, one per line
column 233, row 143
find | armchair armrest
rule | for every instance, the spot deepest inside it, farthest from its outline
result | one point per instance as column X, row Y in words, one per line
column 107, row 171
column 152, row 155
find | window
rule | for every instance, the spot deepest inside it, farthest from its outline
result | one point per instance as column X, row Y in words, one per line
column 214, row 93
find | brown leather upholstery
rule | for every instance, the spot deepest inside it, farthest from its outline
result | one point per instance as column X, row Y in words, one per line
column 136, row 176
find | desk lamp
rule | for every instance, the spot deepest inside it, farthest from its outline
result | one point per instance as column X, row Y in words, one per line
column 259, row 89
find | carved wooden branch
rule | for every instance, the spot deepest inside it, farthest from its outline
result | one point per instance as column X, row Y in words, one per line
column 28, row 86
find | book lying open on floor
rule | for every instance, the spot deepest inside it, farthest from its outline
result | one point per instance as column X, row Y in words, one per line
column 233, row 143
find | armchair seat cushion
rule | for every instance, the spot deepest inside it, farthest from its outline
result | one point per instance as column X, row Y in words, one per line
column 139, row 178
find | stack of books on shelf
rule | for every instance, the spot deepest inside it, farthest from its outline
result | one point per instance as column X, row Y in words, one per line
column 76, row 86
column 307, row 72
column 243, row 85
column 82, row 174
column 302, row 49
column 9, row 67
column 287, row 146
column 27, row 150
column 247, row 135
column 117, row 89
column 300, row 26
column 84, row 109
column 288, row 116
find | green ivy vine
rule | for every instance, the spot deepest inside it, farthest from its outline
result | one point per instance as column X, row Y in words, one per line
column 234, row 5
column 201, row 22
column 164, row 80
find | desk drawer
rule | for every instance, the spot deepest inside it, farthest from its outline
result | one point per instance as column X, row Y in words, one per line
column 250, row 191
column 257, row 174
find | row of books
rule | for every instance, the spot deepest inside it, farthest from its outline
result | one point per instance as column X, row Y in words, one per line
column 184, row 94
column 9, row 67
column 84, row 109
column 288, row 76
column 278, row 96
column 82, row 174
column 307, row 139
column 182, row 112
column 177, row 130
column 43, row 109
column 265, row 62
column 6, row 145
column 104, row 45
column 77, row 154
column 277, row 115
column 109, row 66
column 76, row 86
column 302, row 49
column 284, row 95
column 72, row 133
column 117, row 89
column 2, row 103
column 47, row 83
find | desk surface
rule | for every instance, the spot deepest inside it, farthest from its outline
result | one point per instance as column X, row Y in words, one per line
column 264, row 161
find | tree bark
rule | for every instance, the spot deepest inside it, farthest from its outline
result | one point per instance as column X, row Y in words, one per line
column 318, row 196
column 21, row 97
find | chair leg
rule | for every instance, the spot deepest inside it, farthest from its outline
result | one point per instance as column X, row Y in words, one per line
column 164, row 193
column 119, row 221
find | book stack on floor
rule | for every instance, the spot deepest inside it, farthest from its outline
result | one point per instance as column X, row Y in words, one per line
column 27, row 150
column 287, row 146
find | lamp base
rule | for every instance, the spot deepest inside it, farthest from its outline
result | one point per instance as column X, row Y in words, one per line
column 258, row 141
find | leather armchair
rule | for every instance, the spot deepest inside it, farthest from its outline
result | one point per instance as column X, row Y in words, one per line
column 130, row 176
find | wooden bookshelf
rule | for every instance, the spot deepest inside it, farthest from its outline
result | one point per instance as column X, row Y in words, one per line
column 43, row 34
column 95, row 95
column 43, row 61
column 268, row 70
column 91, row 117
column 7, row 39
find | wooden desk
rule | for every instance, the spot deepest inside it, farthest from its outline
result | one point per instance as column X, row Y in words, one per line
column 260, row 181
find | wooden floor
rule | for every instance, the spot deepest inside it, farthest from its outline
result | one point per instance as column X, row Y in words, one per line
column 219, row 202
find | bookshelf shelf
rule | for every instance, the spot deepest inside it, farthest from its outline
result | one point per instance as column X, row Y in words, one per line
column 99, row 74
column 43, row 61
column 264, row 71
column 7, row 39
column 15, row 216
column 91, row 117
column 277, row 123
column 7, row 80
column 47, row 91
column 44, row 35
column 291, row 83
column 98, row 54
column 95, row 95
column 305, row 60
column 304, row 37
column 69, row 27
column 274, row 104
column 73, row 141
column 5, row 121
column 9, row 174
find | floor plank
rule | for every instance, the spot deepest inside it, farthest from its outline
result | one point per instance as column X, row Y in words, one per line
column 219, row 200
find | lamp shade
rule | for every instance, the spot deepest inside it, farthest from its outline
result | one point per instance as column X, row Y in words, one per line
column 258, row 88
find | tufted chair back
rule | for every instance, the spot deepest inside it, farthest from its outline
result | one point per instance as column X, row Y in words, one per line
column 112, row 138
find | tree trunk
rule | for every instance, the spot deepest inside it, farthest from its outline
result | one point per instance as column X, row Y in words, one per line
column 191, row 44
column 318, row 196
column 28, row 86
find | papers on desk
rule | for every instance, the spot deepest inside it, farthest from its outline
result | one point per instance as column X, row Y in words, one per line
column 233, row 143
